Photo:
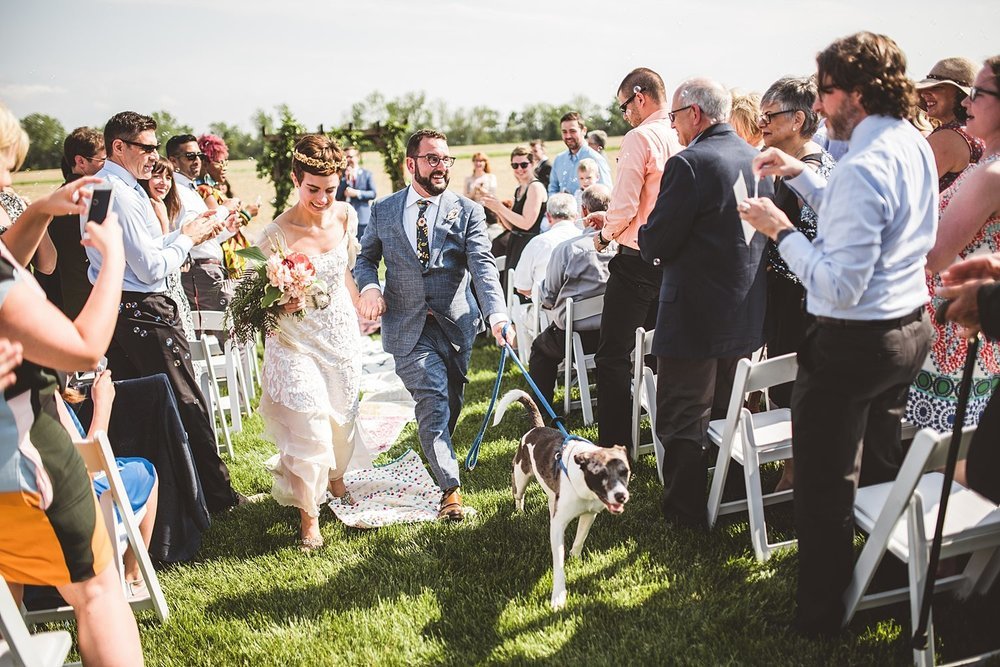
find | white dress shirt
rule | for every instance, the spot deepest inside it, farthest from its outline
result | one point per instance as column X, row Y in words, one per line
column 192, row 205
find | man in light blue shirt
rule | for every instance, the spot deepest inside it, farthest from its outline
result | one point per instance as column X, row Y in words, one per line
column 149, row 337
column 563, row 177
column 865, row 285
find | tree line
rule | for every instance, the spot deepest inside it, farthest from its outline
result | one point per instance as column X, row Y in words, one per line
column 464, row 125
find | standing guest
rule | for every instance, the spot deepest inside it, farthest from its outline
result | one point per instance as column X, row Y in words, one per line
column 523, row 220
column 148, row 337
column 837, row 148
column 481, row 183
column 214, row 187
column 53, row 533
column 713, row 292
column 744, row 115
column 162, row 190
column 633, row 290
column 543, row 166
column 942, row 93
column 968, row 227
column 205, row 282
column 83, row 155
column 597, row 140
column 575, row 269
column 864, row 274
column 563, row 177
column 430, row 315
column 787, row 122
column 357, row 187
column 562, row 214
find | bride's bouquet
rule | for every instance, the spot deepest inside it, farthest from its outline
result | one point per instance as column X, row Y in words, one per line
column 268, row 283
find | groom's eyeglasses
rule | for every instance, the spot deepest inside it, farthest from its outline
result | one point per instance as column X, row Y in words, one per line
column 435, row 160
column 520, row 165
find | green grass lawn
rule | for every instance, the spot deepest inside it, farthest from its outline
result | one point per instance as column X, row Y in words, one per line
column 478, row 592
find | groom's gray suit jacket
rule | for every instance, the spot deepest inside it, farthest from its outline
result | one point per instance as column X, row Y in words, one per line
column 460, row 259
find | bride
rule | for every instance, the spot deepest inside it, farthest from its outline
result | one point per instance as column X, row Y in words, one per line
column 312, row 366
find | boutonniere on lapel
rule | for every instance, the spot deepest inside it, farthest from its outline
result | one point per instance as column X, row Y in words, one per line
column 453, row 215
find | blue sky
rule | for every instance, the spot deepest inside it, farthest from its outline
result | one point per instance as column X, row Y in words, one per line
column 206, row 61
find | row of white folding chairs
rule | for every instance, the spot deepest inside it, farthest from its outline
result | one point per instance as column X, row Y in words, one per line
column 224, row 364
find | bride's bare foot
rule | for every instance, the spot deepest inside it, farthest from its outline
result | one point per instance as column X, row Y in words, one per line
column 309, row 535
column 337, row 487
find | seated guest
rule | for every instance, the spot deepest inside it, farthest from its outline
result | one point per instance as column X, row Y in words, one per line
column 543, row 166
column 83, row 155
column 148, row 338
column 562, row 214
column 587, row 173
column 941, row 94
column 53, row 534
column 575, row 269
column 597, row 140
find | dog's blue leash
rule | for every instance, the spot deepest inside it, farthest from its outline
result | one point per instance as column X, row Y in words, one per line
column 473, row 456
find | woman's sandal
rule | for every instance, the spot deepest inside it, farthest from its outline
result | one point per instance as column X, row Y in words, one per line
column 137, row 589
column 307, row 544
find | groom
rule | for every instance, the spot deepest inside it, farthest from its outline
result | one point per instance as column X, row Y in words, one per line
column 436, row 251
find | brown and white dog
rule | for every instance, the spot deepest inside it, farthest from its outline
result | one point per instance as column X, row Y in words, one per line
column 580, row 479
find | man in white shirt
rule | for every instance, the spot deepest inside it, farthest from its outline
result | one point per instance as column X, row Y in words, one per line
column 562, row 214
column 205, row 282
column 149, row 338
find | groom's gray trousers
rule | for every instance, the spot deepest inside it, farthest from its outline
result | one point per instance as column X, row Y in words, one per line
column 435, row 375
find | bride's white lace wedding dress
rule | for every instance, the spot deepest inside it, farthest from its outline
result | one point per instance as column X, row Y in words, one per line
column 310, row 386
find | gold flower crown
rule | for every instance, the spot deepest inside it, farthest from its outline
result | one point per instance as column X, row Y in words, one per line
column 316, row 163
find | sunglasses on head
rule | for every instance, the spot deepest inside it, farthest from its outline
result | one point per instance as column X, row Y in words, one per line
column 520, row 165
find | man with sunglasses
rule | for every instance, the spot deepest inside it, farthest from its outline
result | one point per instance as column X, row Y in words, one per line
column 205, row 282
column 865, row 286
column 149, row 337
column 436, row 252
column 632, row 294
column 713, row 292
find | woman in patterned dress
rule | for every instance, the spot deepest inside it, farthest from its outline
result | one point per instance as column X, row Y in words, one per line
column 969, row 226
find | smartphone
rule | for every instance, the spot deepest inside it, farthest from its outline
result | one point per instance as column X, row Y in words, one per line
column 101, row 199
column 221, row 213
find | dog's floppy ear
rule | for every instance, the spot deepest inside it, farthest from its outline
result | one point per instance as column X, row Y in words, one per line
column 588, row 462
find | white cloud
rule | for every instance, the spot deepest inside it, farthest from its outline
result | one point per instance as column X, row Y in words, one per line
column 19, row 92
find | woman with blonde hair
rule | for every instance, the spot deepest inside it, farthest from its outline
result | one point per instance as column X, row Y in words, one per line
column 743, row 117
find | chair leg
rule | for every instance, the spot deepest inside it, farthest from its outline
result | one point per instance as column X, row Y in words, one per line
column 755, row 501
column 918, row 561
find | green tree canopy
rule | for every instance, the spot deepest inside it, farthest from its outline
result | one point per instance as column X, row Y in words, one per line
column 46, row 135
column 167, row 126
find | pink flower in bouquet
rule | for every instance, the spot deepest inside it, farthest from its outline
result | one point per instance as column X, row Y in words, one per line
column 302, row 274
column 278, row 274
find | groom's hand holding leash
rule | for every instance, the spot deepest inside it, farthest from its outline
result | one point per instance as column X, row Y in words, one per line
column 503, row 336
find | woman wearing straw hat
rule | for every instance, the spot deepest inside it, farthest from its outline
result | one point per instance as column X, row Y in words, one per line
column 941, row 94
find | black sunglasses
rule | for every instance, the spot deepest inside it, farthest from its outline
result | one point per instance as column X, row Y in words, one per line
column 145, row 148
column 976, row 92
column 191, row 155
column 520, row 165
column 623, row 107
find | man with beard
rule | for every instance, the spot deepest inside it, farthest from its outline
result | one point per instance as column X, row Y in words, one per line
column 149, row 338
column 864, row 275
column 436, row 251
column 563, row 177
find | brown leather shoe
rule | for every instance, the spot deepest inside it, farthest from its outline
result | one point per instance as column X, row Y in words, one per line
column 451, row 506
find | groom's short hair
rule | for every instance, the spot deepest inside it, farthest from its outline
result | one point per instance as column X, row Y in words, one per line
column 413, row 144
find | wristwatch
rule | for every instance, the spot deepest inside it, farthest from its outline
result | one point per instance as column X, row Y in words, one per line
column 600, row 237
column 782, row 234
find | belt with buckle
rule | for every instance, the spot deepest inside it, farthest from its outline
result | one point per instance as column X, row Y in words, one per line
column 626, row 250
column 915, row 316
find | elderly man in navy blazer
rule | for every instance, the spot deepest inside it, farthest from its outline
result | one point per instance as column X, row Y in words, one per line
column 712, row 297
column 357, row 188
column 436, row 252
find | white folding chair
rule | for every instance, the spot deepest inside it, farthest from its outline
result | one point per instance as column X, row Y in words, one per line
column 123, row 532
column 575, row 362
column 901, row 516
column 501, row 263
column 644, row 399
column 225, row 358
column 18, row 647
column 201, row 350
column 752, row 440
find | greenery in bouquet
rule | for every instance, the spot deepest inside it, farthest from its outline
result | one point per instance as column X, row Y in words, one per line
column 271, row 282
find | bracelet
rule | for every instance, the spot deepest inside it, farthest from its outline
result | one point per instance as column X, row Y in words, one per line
column 245, row 216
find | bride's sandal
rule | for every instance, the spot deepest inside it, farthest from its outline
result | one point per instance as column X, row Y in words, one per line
column 307, row 544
